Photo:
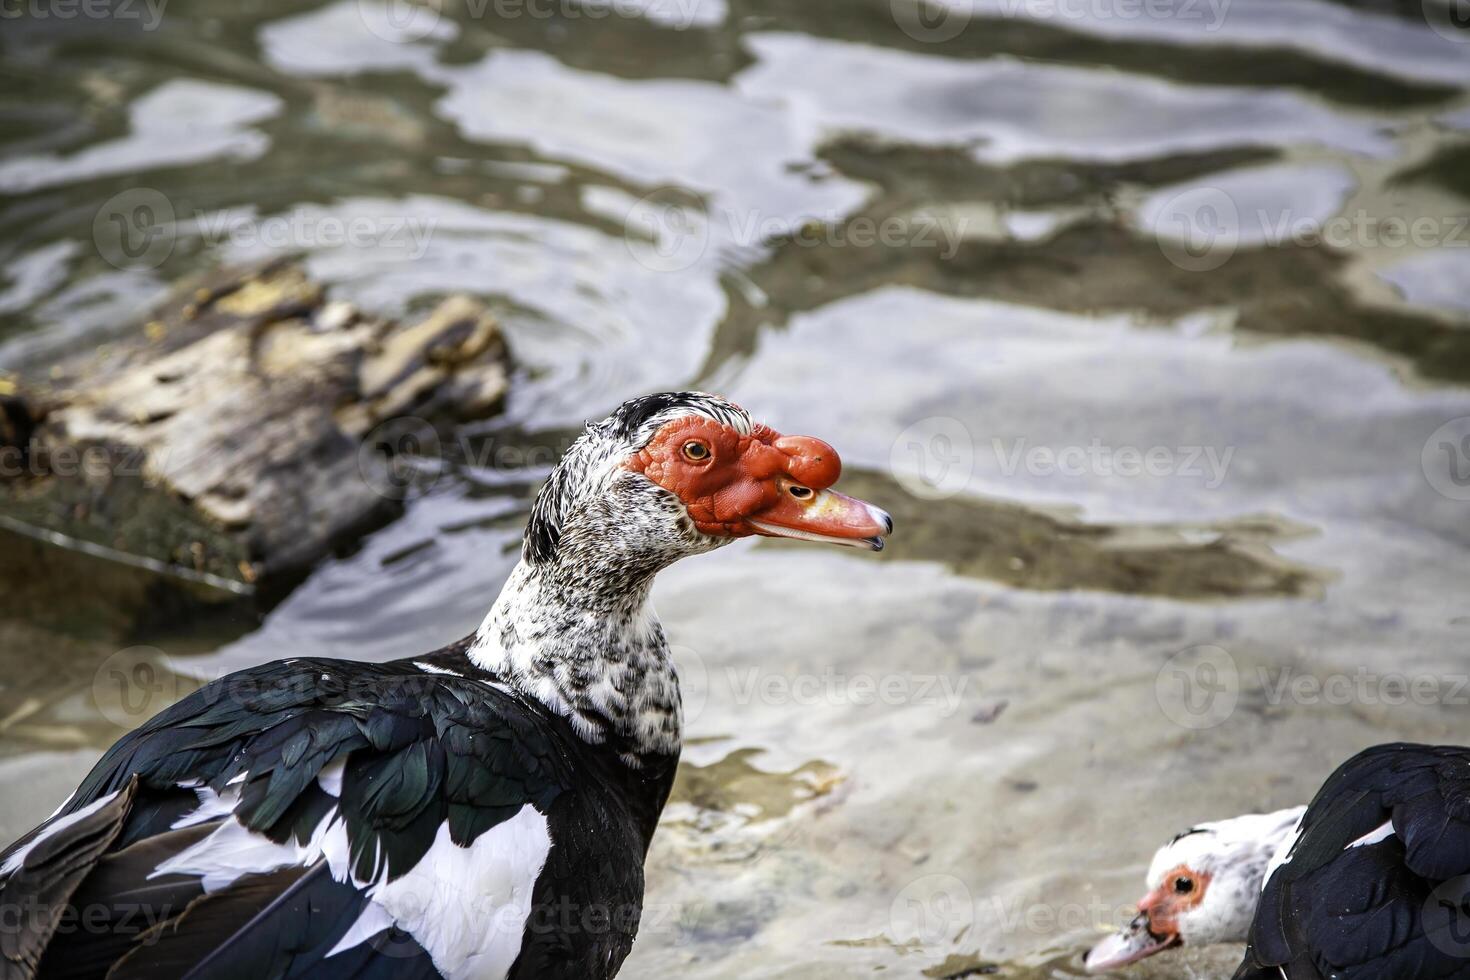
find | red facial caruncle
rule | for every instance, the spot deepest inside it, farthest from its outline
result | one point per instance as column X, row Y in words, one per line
column 734, row 484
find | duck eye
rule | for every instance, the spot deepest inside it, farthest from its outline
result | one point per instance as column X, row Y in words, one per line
column 800, row 492
column 1183, row 885
column 696, row 452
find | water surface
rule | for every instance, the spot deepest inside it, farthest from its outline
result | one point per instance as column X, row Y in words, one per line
column 1135, row 404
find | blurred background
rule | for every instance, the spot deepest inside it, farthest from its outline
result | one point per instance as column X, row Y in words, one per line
column 1149, row 320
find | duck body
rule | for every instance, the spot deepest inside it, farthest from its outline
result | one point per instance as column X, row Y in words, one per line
column 298, row 818
column 1374, row 883
column 481, row 812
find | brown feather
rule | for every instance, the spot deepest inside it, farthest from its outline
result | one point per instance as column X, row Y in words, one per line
column 171, row 948
column 40, row 890
column 119, row 903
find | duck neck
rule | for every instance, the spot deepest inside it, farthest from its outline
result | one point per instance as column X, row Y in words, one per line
column 588, row 647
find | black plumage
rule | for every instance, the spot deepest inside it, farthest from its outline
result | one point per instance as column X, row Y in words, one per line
column 1347, row 909
column 422, row 750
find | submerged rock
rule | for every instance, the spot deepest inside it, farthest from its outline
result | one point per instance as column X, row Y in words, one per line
column 247, row 428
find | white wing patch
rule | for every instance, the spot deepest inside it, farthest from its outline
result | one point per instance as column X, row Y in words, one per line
column 232, row 851
column 13, row 863
column 1283, row 853
column 431, row 669
column 212, row 806
column 330, row 778
column 1373, row 836
column 467, row 906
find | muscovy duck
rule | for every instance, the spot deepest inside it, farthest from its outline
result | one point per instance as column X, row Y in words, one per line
column 482, row 811
column 1370, row 882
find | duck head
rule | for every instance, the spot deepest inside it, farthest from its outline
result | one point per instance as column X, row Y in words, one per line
column 663, row 477
column 677, row 474
column 1203, row 887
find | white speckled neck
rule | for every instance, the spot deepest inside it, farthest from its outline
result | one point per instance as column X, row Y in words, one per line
column 598, row 659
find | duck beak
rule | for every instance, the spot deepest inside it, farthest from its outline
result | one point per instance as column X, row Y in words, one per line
column 1128, row 946
column 823, row 515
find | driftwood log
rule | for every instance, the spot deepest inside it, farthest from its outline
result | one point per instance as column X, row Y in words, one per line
column 244, row 430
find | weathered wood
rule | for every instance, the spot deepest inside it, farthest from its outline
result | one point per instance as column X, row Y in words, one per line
column 232, row 434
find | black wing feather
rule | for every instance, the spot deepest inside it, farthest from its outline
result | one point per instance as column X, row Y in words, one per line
column 1372, row 911
column 418, row 750
column 292, row 935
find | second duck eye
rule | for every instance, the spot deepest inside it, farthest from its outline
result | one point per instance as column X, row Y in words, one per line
column 1183, row 885
column 696, row 452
